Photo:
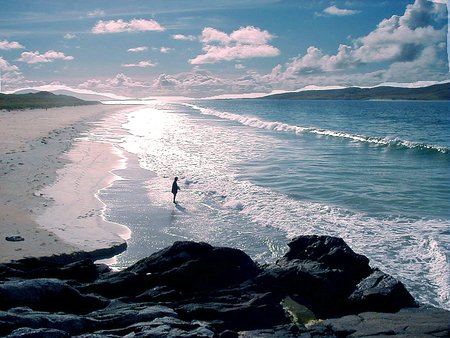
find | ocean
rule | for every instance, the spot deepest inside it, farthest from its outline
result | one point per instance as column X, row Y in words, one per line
column 256, row 173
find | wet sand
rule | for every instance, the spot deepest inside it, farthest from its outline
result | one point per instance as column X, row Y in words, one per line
column 48, row 183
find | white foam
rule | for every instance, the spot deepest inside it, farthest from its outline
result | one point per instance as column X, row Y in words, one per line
column 283, row 127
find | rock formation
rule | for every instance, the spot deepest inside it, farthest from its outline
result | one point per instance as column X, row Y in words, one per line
column 319, row 288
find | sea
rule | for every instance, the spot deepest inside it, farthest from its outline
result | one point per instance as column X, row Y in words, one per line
column 256, row 173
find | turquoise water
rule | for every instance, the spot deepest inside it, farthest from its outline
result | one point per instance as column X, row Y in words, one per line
column 255, row 173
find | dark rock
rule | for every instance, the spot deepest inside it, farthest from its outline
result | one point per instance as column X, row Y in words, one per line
column 96, row 335
column 196, row 290
column 122, row 319
column 322, row 289
column 14, row 238
column 120, row 284
column 409, row 322
column 84, row 270
column 26, row 332
column 262, row 310
column 333, row 252
column 381, row 292
column 322, row 273
column 31, row 263
column 285, row 331
column 159, row 294
column 47, row 295
column 228, row 334
column 185, row 266
column 81, row 271
column 27, row 318
column 198, row 266
column 120, row 315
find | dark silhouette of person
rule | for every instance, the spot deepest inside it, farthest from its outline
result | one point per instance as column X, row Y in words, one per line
column 175, row 189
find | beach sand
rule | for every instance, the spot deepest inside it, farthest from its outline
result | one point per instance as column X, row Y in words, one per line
column 48, row 183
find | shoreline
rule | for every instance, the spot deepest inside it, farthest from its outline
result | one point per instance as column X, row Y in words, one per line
column 89, row 169
column 39, row 155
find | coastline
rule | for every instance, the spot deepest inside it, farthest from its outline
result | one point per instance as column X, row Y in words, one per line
column 43, row 173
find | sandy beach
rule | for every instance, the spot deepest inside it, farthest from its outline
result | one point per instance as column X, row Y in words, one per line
column 48, row 183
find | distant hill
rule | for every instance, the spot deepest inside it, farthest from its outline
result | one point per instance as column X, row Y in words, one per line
column 434, row 92
column 39, row 100
column 83, row 96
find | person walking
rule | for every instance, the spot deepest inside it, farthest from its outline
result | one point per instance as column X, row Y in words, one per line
column 175, row 189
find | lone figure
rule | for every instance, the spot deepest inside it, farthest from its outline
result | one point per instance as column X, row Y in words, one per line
column 175, row 189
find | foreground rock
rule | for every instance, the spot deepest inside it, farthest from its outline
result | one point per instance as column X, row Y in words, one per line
column 319, row 288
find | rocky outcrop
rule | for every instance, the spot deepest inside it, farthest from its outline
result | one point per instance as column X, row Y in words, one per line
column 319, row 288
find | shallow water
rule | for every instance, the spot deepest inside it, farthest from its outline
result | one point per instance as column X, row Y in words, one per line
column 255, row 173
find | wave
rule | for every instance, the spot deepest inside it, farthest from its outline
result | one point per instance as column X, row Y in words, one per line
column 284, row 127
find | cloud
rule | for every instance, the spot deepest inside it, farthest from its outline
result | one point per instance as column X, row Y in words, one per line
column 184, row 37
column 6, row 67
column 138, row 49
column 96, row 13
column 119, row 26
column 141, row 64
column 189, row 83
column 50, row 56
column 415, row 39
column 333, row 10
column 403, row 38
column 69, row 36
column 193, row 84
column 120, row 83
column 165, row 50
column 244, row 43
column 7, row 45
column 315, row 61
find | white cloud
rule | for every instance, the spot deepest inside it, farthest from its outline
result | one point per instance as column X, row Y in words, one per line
column 6, row 67
column 50, row 56
column 7, row 45
column 400, row 46
column 403, row 38
column 213, row 35
column 333, row 10
column 120, row 83
column 201, row 83
column 246, row 42
column 69, row 36
column 96, row 13
column 138, row 49
column 184, row 37
column 165, row 50
column 426, row 66
column 118, row 26
column 315, row 61
column 141, row 64
column 188, row 83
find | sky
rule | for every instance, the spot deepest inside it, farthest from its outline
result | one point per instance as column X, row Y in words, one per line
column 204, row 48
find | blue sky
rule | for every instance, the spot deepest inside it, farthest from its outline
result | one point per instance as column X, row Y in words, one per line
column 204, row 48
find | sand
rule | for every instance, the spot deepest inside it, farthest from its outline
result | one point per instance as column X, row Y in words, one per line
column 48, row 183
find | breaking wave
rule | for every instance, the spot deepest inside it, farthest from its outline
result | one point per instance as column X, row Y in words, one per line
column 284, row 127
